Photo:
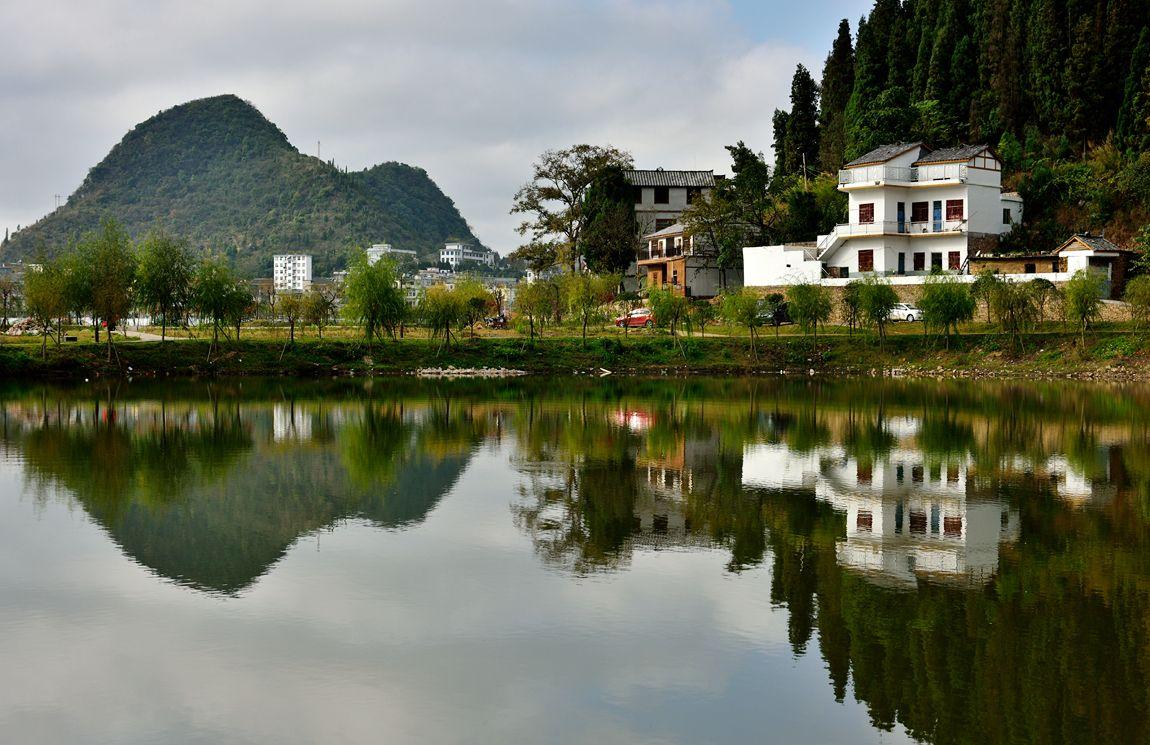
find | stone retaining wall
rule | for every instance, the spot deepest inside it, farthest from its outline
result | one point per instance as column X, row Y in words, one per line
column 1112, row 310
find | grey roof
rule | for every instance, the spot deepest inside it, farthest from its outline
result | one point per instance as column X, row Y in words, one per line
column 952, row 154
column 659, row 177
column 675, row 229
column 883, row 153
column 1094, row 242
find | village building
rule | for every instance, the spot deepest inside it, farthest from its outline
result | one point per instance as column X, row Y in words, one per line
column 912, row 212
column 661, row 197
column 291, row 272
column 685, row 263
column 379, row 250
column 455, row 254
column 1082, row 251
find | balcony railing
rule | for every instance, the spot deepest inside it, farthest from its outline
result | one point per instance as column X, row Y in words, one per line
column 658, row 253
column 890, row 227
column 907, row 175
column 894, row 227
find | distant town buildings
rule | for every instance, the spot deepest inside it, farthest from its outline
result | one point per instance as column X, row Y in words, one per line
column 379, row 250
column 291, row 272
column 456, row 254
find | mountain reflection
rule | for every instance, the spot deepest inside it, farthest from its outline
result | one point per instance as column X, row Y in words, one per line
column 971, row 561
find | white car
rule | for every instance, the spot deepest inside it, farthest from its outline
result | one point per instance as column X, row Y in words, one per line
column 905, row 312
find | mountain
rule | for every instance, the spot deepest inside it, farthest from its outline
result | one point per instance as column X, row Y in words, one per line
column 218, row 172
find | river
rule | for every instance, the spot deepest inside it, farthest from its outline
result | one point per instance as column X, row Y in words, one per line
column 575, row 561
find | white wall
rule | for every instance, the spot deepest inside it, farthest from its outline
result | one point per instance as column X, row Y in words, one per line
column 770, row 266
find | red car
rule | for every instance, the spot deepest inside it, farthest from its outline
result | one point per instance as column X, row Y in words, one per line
column 641, row 318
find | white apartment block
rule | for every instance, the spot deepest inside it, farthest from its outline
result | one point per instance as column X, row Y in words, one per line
column 912, row 211
column 292, row 272
column 379, row 250
column 661, row 197
column 455, row 254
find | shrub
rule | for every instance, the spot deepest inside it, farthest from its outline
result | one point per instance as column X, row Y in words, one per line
column 1083, row 300
column 945, row 303
column 741, row 308
column 1017, row 313
column 852, row 304
column 877, row 299
column 1138, row 296
column 809, row 304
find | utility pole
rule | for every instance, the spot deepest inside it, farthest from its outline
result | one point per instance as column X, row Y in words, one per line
column 318, row 152
column 57, row 196
column 805, row 171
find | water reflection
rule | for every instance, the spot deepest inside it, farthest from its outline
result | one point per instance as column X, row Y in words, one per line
column 969, row 561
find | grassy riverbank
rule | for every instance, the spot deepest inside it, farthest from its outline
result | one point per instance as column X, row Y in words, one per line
column 1117, row 355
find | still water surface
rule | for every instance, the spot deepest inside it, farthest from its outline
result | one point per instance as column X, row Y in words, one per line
column 575, row 562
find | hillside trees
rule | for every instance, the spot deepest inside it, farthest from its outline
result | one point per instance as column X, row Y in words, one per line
column 835, row 91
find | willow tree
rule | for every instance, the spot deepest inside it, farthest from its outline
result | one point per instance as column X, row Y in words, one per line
column 373, row 298
column 164, row 281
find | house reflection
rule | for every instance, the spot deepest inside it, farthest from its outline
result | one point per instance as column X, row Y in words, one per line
column 909, row 517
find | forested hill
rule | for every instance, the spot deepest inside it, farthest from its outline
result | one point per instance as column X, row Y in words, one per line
column 215, row 170
column 1061, row 89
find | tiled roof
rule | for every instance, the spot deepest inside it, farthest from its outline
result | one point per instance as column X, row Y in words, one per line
column 883, row 154
column 1093, row 242
column 675, row 229
column 951, row 154
column 688, row 179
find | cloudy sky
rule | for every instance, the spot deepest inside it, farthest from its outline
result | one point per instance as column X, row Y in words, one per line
column 470, row 90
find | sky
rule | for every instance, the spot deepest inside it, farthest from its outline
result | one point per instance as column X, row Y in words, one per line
column 470, row 90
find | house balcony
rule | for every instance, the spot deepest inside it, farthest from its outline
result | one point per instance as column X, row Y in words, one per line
column 906, row 228
column 941, row 173
column 657, row 254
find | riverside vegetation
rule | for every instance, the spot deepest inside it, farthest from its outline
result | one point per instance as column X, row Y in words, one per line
column 558, row 325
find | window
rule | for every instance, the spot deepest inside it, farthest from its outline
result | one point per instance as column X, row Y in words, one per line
column 866, row 260
column 866, row 213
column 936, row 261
column 663, row 224
column 917, row 521
column 865, row 521
column 692, row 195
column 675, row 277
column 1006, row 216
column 952, row 527
column 954, row 210
column 919, row 211
column 954, row 261
column 1029, row 268
column 919, row 261
column 662, row 195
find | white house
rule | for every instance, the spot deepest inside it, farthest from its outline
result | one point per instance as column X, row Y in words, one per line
column 455, row 254
column 912, row 211
column 661, row 196
column 379, row 250
column 292, row 272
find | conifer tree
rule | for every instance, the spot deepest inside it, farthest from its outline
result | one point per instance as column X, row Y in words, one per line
column 835, row 92
column 802, row 136
column 1128, row 125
